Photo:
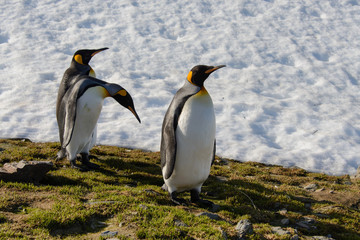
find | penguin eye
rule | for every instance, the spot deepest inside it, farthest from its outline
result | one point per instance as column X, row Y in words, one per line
column 122, row 92
column 78, row 58
column 189, row 77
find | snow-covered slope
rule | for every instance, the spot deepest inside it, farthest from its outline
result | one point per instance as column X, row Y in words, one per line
column 289, row 94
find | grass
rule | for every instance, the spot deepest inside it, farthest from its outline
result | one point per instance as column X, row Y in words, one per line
column 126, row 196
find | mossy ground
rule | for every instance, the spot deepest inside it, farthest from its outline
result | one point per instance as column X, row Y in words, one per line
column 126, row 196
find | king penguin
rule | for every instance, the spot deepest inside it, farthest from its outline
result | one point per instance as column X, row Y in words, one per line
column 79, row 111
column 79, row 66
column 188, row 137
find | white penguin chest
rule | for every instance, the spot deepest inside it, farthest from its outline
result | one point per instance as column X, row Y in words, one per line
column 88, row 109
column 89, row 106
column 196, row 124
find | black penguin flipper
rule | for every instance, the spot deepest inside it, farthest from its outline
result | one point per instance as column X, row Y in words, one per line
column 168, row 138
column 69, row 104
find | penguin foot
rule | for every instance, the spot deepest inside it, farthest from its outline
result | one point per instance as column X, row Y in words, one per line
column 164, row 187
column 61, row 154
column 195, row 198
column 85, row 161
column 74, row 165
column 176, row 200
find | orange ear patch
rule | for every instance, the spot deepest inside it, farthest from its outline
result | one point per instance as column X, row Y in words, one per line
column 189, row 76
column 78, row 58
column 122, row 92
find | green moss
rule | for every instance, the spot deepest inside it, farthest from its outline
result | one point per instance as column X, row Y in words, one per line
column 127, row 191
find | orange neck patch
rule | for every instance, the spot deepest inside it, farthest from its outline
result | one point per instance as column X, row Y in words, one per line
column 92, row 73
column 202, row 91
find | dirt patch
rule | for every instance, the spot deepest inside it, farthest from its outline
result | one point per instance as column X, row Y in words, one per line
column 349, row 199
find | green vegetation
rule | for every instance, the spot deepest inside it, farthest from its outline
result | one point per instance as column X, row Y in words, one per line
column 126, row 196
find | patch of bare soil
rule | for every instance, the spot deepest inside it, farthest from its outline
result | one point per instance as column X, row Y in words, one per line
column 349, row 199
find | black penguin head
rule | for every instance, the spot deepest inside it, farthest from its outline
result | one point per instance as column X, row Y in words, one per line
column 121, row 96
column 200, row 73
column 84, row 56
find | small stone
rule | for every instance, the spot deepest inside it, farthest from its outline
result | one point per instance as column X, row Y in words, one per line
column 285, row 221
column 280, row 231
column 221, row 178
column 331, row 191
column 311, row 187
column 303, row 224
column 150, row 191
column 309, row 220
column 295, row 237
column 322, row 238
column 108, row 234
column 283, row 211
column 244, row 227
column 215, row 208
column 142, row 206
column 348, row 183
column 209, row 215
column 179, row 223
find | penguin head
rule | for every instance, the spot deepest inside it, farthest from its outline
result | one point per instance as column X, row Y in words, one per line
column 84, row 56
column 200, row 73
column 121, row 96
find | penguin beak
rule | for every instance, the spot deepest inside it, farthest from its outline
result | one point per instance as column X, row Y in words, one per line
column 127, row 102
column 214, row 69
column 98, row 50
column 135, row 114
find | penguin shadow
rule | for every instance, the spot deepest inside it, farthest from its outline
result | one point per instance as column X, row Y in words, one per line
column 142, row 172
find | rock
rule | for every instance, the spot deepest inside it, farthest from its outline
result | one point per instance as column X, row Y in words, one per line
column 223, row 234
column 179, row 223
column 285, row 221
column 306, row 223
column 244, row 227
column 150, row 191
column 280, row 231
column 295, row 237
column 209, row 215
column 25, row 171
column 108, row 234
column 322, row 238
column 303, row 224
column 309, row 220
column 283, row 211
column 311, row 187
column 142, row 206
column 215, row 208
column 221, row 178
column 307, row 205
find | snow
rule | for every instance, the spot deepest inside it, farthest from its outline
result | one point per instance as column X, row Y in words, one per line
column 289, row 95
